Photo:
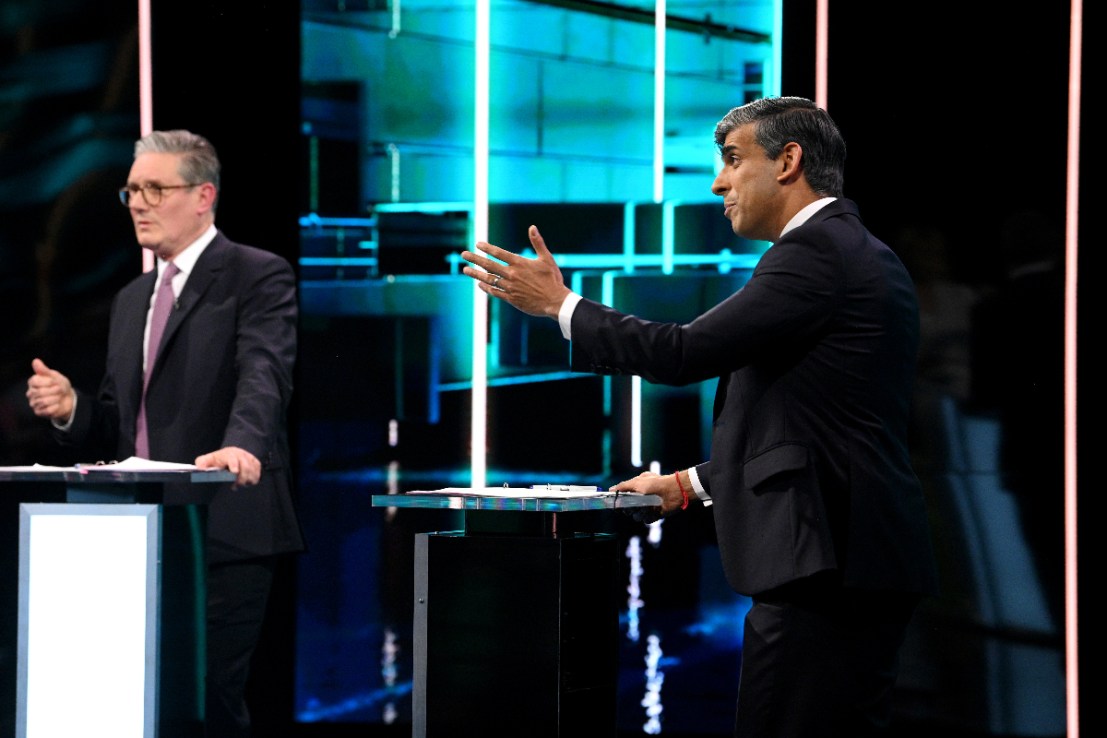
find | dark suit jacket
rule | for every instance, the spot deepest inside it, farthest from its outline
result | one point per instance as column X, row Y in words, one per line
column 815, row 355
column 222, row 377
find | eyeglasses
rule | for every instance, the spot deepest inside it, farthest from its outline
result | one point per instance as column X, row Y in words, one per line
column 151, row 193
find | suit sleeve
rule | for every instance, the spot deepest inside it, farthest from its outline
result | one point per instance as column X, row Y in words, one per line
column 786, row 303
column 93, row 431
column 264, row 357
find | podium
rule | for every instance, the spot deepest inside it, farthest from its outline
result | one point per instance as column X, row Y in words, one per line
column 516, row 616
column 111, row 600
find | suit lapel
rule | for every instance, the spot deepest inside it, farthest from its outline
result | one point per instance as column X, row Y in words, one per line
column 203, row 275
column 129, row 332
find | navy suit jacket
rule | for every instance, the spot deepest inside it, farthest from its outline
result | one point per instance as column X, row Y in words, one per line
column 222, row 377
column 815, row 355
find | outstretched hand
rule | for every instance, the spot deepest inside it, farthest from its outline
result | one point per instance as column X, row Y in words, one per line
column 534, row 286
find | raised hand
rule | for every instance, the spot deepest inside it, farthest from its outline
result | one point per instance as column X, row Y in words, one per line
column 534, row 286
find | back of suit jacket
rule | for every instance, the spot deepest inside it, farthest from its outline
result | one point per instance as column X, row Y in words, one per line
column 815, row 355
column 222, row 377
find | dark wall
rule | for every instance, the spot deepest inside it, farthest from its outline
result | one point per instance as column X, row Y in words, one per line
column 230, row 71
column 68, row 119
column 956, row 119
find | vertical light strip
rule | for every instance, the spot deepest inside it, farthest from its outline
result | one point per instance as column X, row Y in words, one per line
column 822, row 25
column 628, row 237
column 659, row 102
column 607, row 297
column 479, row 426
column 397, row 15
column 636, row 421
column 145, row 67
column 774, row 79
column 1072, row 222
column 145, row 93
column 658, row 196
column 394, row 160
column 668, row 236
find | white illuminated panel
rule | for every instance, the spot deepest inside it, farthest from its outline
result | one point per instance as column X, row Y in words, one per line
column 479, row 422
column 87, row 621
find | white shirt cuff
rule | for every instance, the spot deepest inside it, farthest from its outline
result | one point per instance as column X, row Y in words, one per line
column 697, row 486
column 565, row 315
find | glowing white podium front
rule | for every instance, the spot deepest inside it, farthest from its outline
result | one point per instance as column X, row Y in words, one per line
column 111, row 601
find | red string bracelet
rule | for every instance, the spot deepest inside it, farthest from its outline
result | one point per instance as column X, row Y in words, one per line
column 683, row 494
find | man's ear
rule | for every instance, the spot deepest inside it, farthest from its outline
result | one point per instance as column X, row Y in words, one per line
column 207, row 196
column 791, row 162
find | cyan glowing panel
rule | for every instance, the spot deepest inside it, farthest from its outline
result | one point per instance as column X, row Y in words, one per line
column 571, row 109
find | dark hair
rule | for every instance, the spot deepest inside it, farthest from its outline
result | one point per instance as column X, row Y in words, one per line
column 782, row 120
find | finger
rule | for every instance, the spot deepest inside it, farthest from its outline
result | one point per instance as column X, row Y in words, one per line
column 249, row 469
column 502, row 254
column 480, row 261
column 478, row 274
column 39, row 367
column 492, row 279
column 539, row 244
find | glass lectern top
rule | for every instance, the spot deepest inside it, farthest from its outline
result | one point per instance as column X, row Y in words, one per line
column 540, row 498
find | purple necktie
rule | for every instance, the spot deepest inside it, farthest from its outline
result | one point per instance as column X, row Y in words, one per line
column 163, row 305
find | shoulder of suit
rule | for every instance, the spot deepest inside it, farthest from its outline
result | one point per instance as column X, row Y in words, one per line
column 224, row 245
column 826, row 216
column 841, row 206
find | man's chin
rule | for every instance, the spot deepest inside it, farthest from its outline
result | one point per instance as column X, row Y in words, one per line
column 146, row 242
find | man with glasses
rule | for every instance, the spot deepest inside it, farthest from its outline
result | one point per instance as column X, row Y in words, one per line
column 208, row 384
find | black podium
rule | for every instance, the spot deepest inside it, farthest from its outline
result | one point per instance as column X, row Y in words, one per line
column 111, row 600
column 516, row 616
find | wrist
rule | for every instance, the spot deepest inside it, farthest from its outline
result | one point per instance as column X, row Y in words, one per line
column 683, row 491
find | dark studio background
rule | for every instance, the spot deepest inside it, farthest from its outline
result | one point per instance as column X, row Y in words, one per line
column 956, row 118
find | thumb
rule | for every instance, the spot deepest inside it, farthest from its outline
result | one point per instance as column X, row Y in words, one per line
column 39, row 367
column 539, row 244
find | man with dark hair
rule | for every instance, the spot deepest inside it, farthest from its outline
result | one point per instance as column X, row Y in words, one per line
column 819, row 516
column 208, row 383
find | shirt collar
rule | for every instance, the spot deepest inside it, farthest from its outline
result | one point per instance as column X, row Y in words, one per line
column 806, row 212
column 186, row 260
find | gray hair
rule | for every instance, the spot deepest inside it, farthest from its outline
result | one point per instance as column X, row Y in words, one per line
column 782, row 120
column 199, row 162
